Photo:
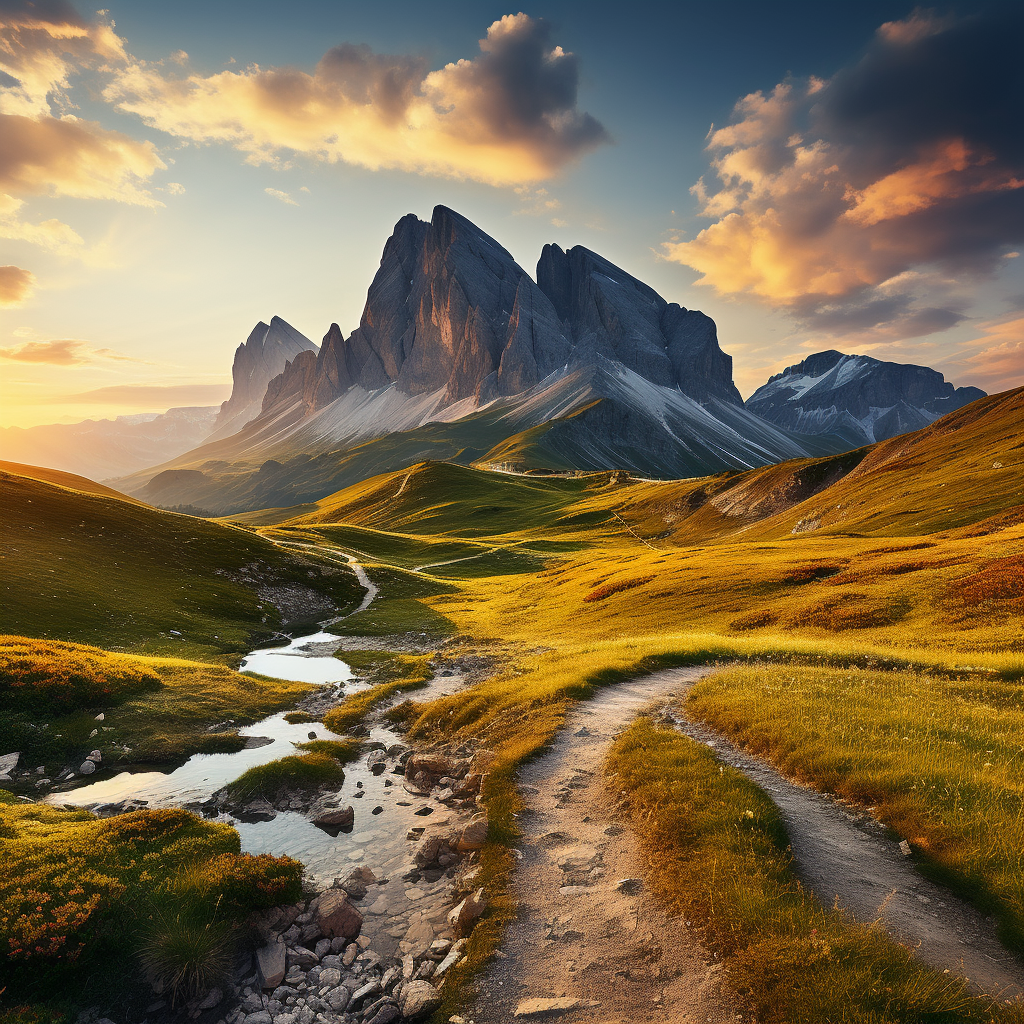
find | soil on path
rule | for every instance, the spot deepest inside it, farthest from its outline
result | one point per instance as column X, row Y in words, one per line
column 582, row 932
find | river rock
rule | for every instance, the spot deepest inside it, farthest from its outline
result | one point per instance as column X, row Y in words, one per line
column 259, row 809
column 8, row 762
column 337, row 817
column 271, row 963
column 336, row 916
column 463, row 917
column 387, row 1014
column 436, row 765
column 418, row 999
column 95, row 756
column 87, row 767
column 474, row 835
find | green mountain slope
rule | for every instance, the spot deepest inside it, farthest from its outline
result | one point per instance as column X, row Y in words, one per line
column 97, row 569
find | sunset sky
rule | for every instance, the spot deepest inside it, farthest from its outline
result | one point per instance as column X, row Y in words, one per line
column 812, row 175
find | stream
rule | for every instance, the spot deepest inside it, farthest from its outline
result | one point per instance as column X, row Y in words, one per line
column 396, row 911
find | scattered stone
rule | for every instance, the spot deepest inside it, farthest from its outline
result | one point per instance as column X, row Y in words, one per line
column 259, row 809
column 905, row 848
column 454, row 956
column 329, row 976
column 629, row 886
column 338, row 817
column 336, row 916
column 463, row 917
column 386, row 1014
column 424, row 811
column 351, row 952
column 418, row 999
column 474, row 835
column 369, row 989
column 377, row 810
column 252, row 742
column 549, row 1007
column 213, row 998
column 271, row 962
column 87, row 768
column 311, row 735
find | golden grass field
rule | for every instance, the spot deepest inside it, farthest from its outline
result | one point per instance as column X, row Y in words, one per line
column 846, row 600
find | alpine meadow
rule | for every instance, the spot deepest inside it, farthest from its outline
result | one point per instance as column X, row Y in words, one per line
column 571, row 643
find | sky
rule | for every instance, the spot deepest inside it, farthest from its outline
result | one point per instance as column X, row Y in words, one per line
column 844, row 175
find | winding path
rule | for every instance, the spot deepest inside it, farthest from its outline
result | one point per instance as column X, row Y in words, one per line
column 580, row 937
column 576, row 936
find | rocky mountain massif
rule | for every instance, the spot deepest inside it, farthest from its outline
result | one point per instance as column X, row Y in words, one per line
column 857, row 398
column 461, row 354
column 264, row 355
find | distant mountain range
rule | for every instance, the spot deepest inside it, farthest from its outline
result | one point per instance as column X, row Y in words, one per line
column 461, row 355
column 107, row 449
column 857, row 398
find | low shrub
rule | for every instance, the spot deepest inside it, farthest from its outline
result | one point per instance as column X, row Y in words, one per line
column 54, row 677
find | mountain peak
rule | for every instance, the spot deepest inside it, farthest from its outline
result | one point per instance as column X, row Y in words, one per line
column 858, row 398
column 257, row 362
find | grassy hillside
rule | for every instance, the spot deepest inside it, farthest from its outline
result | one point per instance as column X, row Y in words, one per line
column 72, row 480
column 157, row 711
column 98, row 569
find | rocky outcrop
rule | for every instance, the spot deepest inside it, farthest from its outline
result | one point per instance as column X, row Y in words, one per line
column 451, row 311
column 859, row 399
column 609, row 313
column 258, row 361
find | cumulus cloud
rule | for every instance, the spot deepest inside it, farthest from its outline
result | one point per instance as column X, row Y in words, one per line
column 507, row 116
column 44, row 148
column 16, row 286
column 65, row 352
column 828, row 192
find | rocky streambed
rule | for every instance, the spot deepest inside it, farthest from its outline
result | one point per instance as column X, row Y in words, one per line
column 390, row 857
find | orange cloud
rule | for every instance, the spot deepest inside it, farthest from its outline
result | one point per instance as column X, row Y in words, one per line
column 507, row 116
column 832, row 193
column 16, row 286
column 56, row 353
column 996, row 358
column 65, row 352
column 45, row 149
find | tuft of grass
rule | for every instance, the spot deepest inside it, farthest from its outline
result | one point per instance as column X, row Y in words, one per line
column 302, row 772
column 343, row 751
column 716, row 851
column 298, row 717
column 939, row 757
column 414, row 673
column 185, row 957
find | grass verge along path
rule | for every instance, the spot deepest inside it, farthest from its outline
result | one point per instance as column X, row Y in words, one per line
column 717, row 853
column 939, row 758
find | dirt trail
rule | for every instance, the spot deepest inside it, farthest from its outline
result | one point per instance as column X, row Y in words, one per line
column 846, row 856
column 578, row 937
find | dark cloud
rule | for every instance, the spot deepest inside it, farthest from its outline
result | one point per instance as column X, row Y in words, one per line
column 386, row 82
column 911, row 158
